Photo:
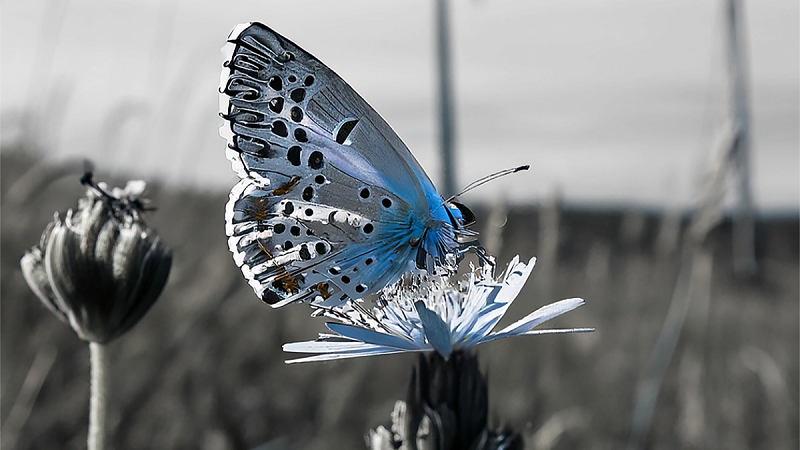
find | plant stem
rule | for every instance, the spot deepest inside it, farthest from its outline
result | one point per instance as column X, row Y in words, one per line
column 97, row 401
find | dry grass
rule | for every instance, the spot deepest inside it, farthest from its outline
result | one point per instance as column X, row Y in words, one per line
column 204, row 369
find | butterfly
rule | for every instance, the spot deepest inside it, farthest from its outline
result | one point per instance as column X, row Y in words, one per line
column 331, row 205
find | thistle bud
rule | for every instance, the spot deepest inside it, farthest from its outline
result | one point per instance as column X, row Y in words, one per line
column 446, row 407
column 100, row 268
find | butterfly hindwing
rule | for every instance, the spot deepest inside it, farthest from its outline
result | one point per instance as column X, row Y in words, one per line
column 292, row 249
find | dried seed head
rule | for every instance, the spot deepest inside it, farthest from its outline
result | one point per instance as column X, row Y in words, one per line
column 101, row 268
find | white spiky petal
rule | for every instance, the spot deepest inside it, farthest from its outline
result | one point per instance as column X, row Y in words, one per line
column 433, row 315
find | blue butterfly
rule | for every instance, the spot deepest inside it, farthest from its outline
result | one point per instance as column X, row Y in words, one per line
column 331, row 204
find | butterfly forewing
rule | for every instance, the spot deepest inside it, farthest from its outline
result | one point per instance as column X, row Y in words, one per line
column 331, row 202
column 277, row 96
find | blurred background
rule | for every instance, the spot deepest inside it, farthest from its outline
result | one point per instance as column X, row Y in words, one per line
column 635, row 127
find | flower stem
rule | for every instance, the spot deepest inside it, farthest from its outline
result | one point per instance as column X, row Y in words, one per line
column 97, row 401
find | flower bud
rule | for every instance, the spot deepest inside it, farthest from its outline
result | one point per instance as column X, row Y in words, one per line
column 446, row 407
column 101, row 268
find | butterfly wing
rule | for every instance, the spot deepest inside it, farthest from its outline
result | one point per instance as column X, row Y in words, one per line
column 332, row 205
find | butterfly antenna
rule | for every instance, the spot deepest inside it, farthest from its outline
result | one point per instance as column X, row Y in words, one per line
column 487, row 179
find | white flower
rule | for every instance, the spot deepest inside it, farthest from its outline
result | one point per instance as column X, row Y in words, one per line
column 433, row 316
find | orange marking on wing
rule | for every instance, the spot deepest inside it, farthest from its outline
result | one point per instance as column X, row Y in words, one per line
column 284, row 281
column 258, row 210
column 286, row 187
column 324, row 290
column 264, row 249
column 287, row 283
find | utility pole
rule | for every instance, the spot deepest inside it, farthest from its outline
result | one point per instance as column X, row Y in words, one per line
column 744, row 217
column 445, row 97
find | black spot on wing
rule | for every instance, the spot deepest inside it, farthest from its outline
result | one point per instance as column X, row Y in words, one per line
column 276, row 83
column 276, row 105
column 300, row 135
column 345, row 129
column 298, row 95
column 270, row 297
column 280, row 129
column 315, row 160
column 293, row 155
column 296, row 114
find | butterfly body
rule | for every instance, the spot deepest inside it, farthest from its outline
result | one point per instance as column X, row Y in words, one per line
column 331, row 204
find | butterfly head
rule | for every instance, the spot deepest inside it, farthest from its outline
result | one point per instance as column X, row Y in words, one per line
column 460, row 216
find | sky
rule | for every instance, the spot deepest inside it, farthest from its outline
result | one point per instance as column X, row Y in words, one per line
column 611, row 102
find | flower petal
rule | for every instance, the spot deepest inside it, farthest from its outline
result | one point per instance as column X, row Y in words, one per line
column 541, row 315
column 512, row 282
column 436, row 331
column 329, row 347
column 371, row 337
column 557, row 331
column 35, row 275
column 354, row 354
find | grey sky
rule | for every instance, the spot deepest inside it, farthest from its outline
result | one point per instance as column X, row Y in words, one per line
column 609, row 101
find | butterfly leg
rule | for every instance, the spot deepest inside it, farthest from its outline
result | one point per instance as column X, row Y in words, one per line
column 483, row 256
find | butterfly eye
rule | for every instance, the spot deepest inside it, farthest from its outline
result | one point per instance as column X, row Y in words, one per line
column 467, row 216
